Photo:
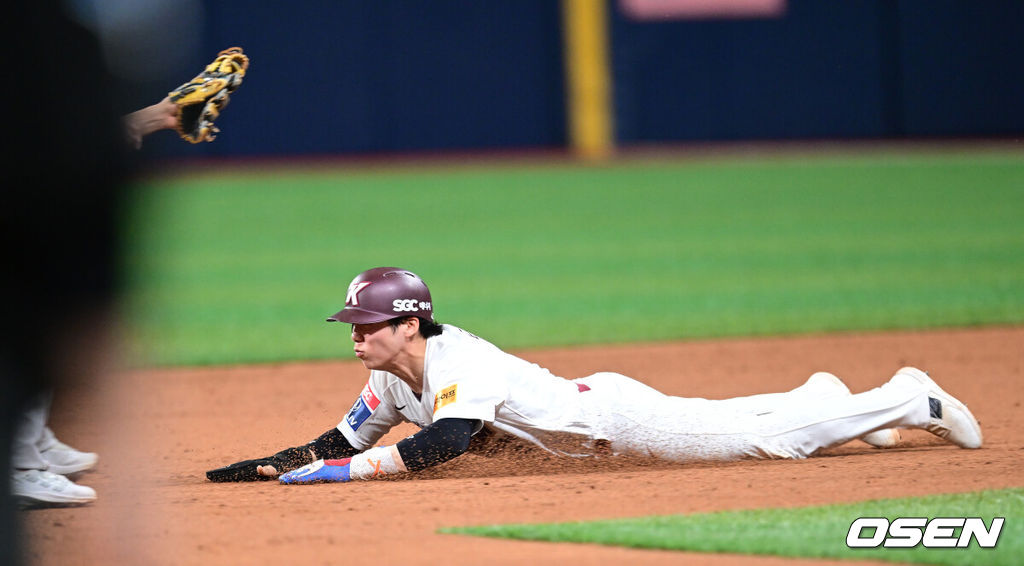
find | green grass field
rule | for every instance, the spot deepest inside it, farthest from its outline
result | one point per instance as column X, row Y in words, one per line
column 237, row 267
column 809, row 532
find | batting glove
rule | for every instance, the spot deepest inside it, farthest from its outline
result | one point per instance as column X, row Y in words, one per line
column 320, row 471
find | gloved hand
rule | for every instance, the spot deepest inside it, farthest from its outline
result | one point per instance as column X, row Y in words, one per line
column 201, row 100
column 263, row 468
column 320, row 471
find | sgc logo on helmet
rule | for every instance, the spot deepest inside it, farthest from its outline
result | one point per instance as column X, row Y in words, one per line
column 409, row 305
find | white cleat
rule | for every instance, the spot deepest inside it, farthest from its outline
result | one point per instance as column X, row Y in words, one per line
column 63, row 459
column 33, row 488
column 831, row 386
column 949, row 418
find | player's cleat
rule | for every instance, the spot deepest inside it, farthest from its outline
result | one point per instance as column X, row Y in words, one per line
column 63, row 459
column 949, row 418
column 39, row 488
column 831, row 386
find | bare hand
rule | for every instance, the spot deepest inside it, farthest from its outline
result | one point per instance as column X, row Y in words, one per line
column 160, row 116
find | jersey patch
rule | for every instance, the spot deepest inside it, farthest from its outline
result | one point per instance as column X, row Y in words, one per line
column 446, row 396
column 363, row 408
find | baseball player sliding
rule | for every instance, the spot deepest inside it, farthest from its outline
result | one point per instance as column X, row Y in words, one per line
column 454, row 385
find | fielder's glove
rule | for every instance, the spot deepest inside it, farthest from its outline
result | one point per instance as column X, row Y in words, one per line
column 262, row 469
column 201, row 100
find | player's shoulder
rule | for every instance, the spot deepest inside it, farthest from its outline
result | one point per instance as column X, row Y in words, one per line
column 381, row 381
column 457, row 351
column 454, row 335
column 456, row 343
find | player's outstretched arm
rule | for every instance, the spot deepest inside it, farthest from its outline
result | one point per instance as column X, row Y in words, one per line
column 160, row 116
column 434, row 444
column 331, row 444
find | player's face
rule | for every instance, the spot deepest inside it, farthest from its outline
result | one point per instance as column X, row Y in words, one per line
column 377, row 344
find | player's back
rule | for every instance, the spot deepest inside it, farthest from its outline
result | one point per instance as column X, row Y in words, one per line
column 537, row 402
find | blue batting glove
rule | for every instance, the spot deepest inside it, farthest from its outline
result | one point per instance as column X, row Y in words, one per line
column 319, row 471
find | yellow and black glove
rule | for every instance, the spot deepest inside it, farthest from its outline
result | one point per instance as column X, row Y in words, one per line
column 201, row 100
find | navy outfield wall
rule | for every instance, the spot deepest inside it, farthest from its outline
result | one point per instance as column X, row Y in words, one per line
column 356, row 77
column 962, row 67
column 330, row 76
column 826, row 69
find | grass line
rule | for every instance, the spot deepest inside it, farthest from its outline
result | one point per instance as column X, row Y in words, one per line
column 808, row 532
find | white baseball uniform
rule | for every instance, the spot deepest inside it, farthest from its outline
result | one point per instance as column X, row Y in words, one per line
column 470, row 378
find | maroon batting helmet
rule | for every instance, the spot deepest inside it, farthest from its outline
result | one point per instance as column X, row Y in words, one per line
column 383, row 293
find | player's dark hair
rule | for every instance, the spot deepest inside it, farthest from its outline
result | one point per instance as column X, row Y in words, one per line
column 428, row 328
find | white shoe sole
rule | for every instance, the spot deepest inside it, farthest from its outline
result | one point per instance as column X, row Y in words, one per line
column 27, row 502
column 950, row 419
column 43, row 498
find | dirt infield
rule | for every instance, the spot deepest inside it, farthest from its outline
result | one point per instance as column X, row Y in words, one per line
column 157, row 431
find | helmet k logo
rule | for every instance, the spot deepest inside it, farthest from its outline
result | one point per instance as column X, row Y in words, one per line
column 352, row 298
